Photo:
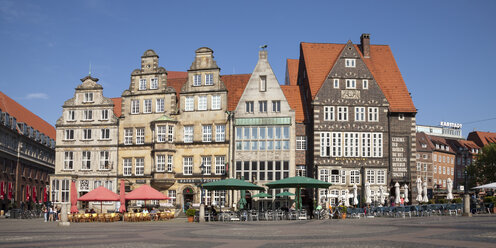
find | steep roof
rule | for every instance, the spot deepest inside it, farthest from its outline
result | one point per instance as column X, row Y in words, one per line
column 442, row 142
column 319, row 59
column 423, row 139
column 292, row 71
column 177, row 74
column 117, row 106
column 482, row 138
column 293, row 95
column 235, row 85
column 22, row 114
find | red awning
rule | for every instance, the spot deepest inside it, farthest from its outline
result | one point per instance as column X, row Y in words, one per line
column 100, row 194
column 146, row 192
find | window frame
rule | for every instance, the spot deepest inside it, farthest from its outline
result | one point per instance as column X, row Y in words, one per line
column 350, row 63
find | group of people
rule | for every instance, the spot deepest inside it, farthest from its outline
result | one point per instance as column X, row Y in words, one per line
column 51, row 213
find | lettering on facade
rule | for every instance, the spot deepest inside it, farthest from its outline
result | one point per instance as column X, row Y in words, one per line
column 141, row 181
column 196, row 181
column 399, row 165
column 354, row 159
column 350, row 94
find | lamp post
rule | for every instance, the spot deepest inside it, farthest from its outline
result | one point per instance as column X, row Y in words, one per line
column 466, row 197
column 202, row 204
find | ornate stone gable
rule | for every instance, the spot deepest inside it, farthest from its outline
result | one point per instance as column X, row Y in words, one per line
column 150, row 78
column 204, row 74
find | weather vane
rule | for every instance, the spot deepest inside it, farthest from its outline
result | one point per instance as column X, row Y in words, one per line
column 263, row 47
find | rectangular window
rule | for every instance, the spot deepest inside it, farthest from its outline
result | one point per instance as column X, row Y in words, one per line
column 276, row 106
column 55, row 190
column 188, row 134
column 435, row 168
column 324, row 175
column 301, row 171
column 207, row 163
column 87, row 115
column 328, row 113
column 154, row 83
column 142, row 84
column 401, row 117
column 88, row 97
column 371, row 176
column 127, row 166
column 68, row 161
column 161, row 133
column 189, row 103
column 373, row 114
column 325, row 144
column 197, row 80
column 335, row 177
column 381, row 177
column 139, row 166
column 249, row 107
column 170, row 164
column 377, row 145
column 220, row 133
column 147, row 103
column 135, row 108
column 172, row 195
column 159, row 106
column 342, row 113
column 71, row 115
column 128, row 136
column 87, row 134
column 301, row 142
column 350, row 83
column 69, row 134
column 160, row 163
column 220, row 165
column 104, row 160
column 207, row 133
column 188, row 165
column 336, row 144
column 365, row 84
column 170, row 137
column 355, row 177
column 350, row 62
column 65, row 191
column 263, row 83
column 105, row 134
column 86, row 160
column 140, row 136
column 262, row 106
column 202, row 102
column 209, row 79
column 216, row 102
column 359, row 113
column 336, row 83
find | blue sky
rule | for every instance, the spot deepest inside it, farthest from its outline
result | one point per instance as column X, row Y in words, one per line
column 444, row 49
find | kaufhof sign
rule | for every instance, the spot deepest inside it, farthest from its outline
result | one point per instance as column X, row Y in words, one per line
column 451, row 124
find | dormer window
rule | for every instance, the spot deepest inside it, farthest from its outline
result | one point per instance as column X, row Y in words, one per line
column 197, row 80
column 142, row 84
column 350, row 62
column 153, row 83
column 209, row 79
column 263, row 83
column 88, row 97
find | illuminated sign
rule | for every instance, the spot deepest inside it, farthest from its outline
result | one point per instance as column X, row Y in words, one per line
column 451, row 124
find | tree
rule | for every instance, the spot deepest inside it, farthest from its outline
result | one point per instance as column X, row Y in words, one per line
column 483, row 170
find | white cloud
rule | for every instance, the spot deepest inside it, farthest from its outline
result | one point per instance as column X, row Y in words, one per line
column 36, row 96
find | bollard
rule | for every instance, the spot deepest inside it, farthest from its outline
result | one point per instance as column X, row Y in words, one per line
column 63, row 215
column 202, row 213
column 466, row 206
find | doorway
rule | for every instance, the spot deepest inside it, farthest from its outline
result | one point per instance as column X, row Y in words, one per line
column 188, row 196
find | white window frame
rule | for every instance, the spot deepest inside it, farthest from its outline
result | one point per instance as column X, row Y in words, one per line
column 381, row 176
column 216, row 102
column 355, row 176
column 366, row 145
column 87, row 114
column 189, row 103
column 188, row 134
column 68, row 160
column 209, row 79
column 86, row 160
column 301, row 143
column 373, row 114
column 147, row 106
column 160, row 165
column 207, row 162
column 142, row 84
column 69, row 134
column 370, row 175
column 336, row 83
column 161, row 133
column 220, row 165
column 87, row 134
column 71, row 115
column 170, row 163
column 153, row 83
column 105, row 134
column 202, row 102
column 187, row 165
column 104, row 160
column 127, row 166
column 220, row 133
column 359, row 113
column 350, row 63
column 342, row 113
column 88, row 97
column 197, row 80
column 135, row 106
column 128, row 136
column 365, row 84
column 350, row 83
column 262, row 106
column 207, row 133
column 139, row 166
column 329, row 113
column 336, row 144
column 276, row 106
column 401, row 117
column 263, row 83
column 325, row 144
column 249, row 106
column 159, row 105
column 140, row 136
column 170, row 133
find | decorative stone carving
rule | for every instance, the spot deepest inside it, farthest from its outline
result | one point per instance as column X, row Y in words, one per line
column 350, row 94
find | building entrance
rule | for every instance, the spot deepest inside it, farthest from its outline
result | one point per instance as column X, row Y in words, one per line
column 188, row 195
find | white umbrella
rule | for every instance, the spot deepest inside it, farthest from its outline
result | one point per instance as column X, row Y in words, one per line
column 368, row 193
column 425, row 199
column 486, row 186
column 450, row 189
column 406, row 193
column 347, row 197
column 397, row 193
column 355, row 195
column 419, row 190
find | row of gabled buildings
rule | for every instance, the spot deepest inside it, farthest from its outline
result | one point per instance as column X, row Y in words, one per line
column 344, row 115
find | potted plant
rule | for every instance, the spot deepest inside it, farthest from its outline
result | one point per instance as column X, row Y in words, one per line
column 191, row 214
column 343, row 210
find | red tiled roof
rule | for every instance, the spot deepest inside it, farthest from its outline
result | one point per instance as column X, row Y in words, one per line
column 117, row 106
column 293, row 95
column 320, row 58
column 482, row 138
column 468, row 144
column 292, row 71
column 22, row 114
column 177, row 74
column 177, row 84
column 235, row 85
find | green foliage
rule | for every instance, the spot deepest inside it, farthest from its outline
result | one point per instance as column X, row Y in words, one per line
column 442, row 201
column 191, row 212
column 490, row 199
column 457, row 200
column 343, row 209
column 483, row 170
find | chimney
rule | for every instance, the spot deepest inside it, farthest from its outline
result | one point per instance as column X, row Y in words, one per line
column 365, row 44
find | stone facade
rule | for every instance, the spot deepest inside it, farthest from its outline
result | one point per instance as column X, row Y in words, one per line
column 86, row 150
column 264, row 130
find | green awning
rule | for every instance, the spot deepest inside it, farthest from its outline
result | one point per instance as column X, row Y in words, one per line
column 231, row 184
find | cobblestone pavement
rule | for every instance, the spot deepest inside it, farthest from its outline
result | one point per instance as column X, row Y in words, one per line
column 445, row 231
